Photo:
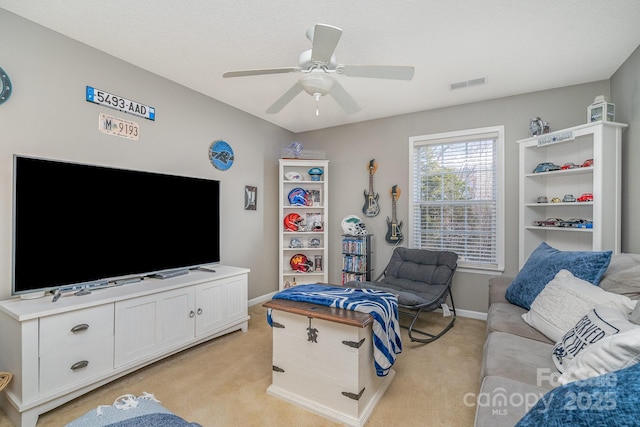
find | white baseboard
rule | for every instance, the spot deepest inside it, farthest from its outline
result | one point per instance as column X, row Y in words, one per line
column 471, row 314
column 261, row 299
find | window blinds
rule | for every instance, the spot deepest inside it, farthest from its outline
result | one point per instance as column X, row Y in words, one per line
column 455, row 196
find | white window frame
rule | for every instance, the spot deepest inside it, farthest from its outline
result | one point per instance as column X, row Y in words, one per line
column 461, row 136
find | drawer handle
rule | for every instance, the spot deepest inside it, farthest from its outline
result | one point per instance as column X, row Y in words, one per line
column 79, row 328
column 79, row 365
column 199, row 311
column 191, row 314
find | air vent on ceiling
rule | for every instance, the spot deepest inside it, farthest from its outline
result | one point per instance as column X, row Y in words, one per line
column 467, row 83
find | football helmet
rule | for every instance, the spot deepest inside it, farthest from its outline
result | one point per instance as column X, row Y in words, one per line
column 353, row 225
column 298, row 197
column 300, row 262
column 293, row 222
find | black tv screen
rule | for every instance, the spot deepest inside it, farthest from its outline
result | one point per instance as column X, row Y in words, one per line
column 77, row 224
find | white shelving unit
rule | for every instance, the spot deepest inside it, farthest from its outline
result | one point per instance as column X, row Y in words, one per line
column 600, row 141
column 317, row 209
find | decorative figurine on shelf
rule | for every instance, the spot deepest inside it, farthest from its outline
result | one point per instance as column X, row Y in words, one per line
column 294, row 149
column 314, row 242
column 315, row 174
column 537, row 127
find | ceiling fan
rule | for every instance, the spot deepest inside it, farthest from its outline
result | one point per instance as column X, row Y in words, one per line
column 318, row 65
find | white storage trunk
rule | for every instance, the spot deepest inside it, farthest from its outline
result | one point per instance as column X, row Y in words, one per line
column 323, row 361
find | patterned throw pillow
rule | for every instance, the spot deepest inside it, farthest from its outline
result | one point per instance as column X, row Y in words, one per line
column 612, row 399
column 565, row 300
column 595, row 325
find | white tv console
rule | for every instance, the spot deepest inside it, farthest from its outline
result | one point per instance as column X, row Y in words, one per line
column 60, row 350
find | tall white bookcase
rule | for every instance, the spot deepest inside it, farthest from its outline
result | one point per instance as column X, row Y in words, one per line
column 311, row 239
column 600, row 141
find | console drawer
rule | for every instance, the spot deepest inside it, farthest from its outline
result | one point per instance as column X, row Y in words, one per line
column 75, row 346
column 64, row 331
column 57, row 371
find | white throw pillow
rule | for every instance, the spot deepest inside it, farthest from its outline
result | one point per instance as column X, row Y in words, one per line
column 598, row 323
column 607, row 355
column 565, row 300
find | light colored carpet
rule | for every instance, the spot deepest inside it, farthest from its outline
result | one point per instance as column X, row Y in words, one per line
column 223, row 382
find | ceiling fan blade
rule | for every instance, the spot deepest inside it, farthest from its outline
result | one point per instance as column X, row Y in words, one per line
column 325, row 39
column 396, row 72
column 285, row 99
column 348, row 104
column 260, row 72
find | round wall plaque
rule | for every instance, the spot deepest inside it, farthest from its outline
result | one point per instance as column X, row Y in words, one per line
column 221, row 155
column 5, row 86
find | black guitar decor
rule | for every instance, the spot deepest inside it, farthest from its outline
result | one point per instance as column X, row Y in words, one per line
column 371, row 207
column 394, row 232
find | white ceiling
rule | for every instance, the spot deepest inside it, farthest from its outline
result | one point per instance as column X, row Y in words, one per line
column 519, row 46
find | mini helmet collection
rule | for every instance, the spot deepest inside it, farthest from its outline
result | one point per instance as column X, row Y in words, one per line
column 293, row 222
column 300, row 262
column 353, row 225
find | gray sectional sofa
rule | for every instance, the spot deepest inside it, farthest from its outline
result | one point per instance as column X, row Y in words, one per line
column 517, row 367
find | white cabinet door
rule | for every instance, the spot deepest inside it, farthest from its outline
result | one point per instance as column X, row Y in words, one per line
column 153, row 324
column 220, row 303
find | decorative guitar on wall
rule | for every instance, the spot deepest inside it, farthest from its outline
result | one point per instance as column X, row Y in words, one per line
column 371, row 207
column 394, row 232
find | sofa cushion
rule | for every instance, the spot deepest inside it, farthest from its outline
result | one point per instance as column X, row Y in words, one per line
column 607, row 355
column 503, row 401
column 528, row 361
column 565, row 300
column 506, row 317
column 623, row 275
column 611, row 399
column 594, row 326
column 545, row 262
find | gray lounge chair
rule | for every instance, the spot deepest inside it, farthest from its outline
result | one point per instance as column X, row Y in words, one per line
column 422, row 281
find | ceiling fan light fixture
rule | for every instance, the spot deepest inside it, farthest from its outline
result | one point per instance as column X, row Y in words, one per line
column 317, row 83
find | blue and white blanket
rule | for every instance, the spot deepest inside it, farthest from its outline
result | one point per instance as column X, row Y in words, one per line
column 382, row 306
column 131, row 411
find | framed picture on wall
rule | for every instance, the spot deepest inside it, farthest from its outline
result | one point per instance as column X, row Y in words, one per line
column 250, row 198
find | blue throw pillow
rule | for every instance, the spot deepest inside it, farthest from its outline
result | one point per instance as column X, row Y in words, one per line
column 545, row 262
column 611, row 399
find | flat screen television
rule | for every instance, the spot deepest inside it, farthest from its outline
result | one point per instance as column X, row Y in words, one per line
column 78, row 225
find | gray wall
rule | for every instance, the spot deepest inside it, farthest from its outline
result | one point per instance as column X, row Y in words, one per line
column 47, row 116
column 625, row 93
column 350, row 148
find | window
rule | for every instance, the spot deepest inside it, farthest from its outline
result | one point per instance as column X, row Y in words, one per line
column 456, row 204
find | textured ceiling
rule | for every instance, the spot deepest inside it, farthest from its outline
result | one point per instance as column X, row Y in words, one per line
column 519, row 46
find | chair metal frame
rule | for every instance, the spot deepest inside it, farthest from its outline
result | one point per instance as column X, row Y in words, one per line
column 414, row 311
column 418, row 310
